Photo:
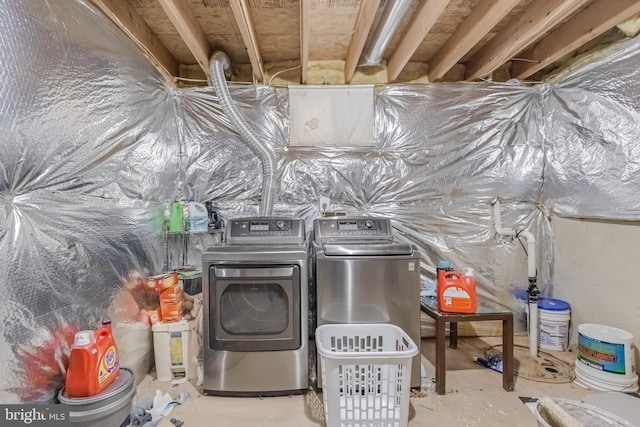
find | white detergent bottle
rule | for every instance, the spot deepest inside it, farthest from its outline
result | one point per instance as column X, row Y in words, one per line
column 197, row 216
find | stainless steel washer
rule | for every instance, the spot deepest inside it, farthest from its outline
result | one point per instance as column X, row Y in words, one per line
column 362, row 275
column 255, row 292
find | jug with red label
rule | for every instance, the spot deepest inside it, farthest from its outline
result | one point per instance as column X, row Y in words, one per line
column 456, row 293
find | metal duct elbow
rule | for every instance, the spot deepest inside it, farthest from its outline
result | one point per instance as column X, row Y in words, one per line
column 392, row 14
column 219, row 62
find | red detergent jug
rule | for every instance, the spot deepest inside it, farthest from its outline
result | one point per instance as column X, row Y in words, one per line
column 456, row 293
column 94, row 362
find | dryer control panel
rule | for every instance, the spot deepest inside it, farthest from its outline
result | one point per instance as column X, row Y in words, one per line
column 266, row 231
column 352, row 228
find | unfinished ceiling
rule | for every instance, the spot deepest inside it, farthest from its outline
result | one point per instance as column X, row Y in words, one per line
column 333, row 41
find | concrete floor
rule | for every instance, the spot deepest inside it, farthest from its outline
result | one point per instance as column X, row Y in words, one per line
column 474, row 397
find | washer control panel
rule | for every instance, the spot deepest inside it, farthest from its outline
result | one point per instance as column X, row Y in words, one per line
column 352, row 228
column 266, row 231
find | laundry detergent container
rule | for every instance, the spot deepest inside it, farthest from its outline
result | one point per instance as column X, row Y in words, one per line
column 108, row 408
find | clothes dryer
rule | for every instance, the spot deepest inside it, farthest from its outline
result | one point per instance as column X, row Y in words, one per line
column 255, row 292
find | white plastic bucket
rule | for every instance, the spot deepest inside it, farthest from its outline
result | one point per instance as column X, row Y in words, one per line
column 595, row 380
column 555, row 317
column 522, row 306
column 108, row 408
column 606, row 358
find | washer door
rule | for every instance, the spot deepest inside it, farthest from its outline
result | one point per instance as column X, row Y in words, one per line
column 255, row 308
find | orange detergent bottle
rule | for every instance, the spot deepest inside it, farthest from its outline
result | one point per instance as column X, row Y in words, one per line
column 456, row 293
column 94, row 362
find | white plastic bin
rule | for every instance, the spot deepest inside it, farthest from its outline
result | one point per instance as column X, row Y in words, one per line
column 555, row 317
column 606, row 359
column 366, row 374
column 173, row 347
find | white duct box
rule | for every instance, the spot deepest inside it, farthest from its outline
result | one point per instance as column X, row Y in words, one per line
column 331, row 116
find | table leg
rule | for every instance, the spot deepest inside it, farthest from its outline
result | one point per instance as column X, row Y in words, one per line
column 440, row 353
column 453, row 334
column 507, row 347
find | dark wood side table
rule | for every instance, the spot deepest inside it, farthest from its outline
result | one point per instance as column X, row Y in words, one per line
column 486, row 311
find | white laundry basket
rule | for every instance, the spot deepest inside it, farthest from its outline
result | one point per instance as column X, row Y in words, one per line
column 366, row 374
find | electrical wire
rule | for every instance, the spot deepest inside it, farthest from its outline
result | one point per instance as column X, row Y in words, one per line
column 282, row 71
column 523, row 246
column 191, row 80
column 520, row 240
column 324, row 71
column 523, row 60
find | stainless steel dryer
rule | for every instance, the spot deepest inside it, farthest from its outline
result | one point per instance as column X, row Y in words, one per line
column 255, row 293
column 362, row 275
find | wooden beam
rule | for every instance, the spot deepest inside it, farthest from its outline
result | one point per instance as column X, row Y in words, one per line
column 595, row 19
column 366, row 16
column 420, row 26
column 182, row 17
column 525, row 29
column 480, row 21
column 131, row 23
column 243, row 18
column 305, row 33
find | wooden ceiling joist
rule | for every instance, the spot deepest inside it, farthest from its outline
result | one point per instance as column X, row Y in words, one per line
column 423, row 21
column 595, row 19
column 132, row 24
column 305, row 33
column 182, row 17
column 525, row 29
column 480, row 21
column 517, row 37
column 364, row 21
column 243, row 19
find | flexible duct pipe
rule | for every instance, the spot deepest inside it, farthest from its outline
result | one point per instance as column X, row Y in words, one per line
column 531, row 273
column 218, row 63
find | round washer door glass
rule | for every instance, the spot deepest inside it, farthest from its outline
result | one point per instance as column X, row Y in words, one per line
column 254, row 309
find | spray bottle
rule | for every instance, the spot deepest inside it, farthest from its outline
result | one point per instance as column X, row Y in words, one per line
column 176, row 217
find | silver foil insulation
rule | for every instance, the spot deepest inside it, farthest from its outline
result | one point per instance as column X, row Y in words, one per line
column 96, row 145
